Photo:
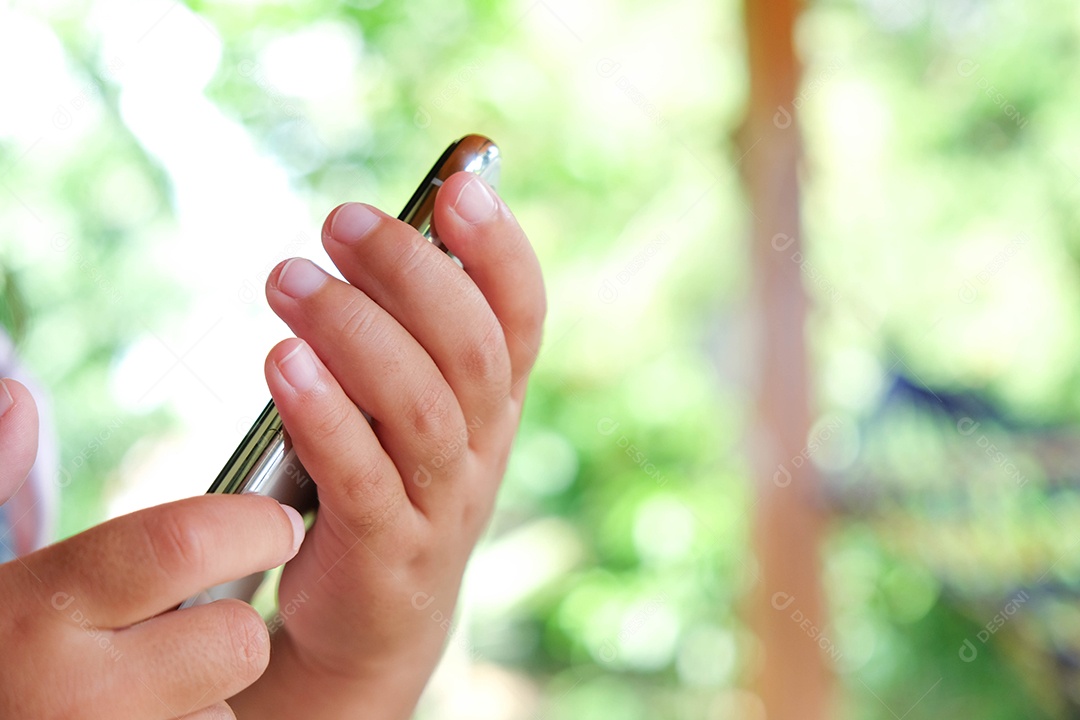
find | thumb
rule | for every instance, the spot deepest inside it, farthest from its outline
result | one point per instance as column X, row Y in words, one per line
column 18, row 436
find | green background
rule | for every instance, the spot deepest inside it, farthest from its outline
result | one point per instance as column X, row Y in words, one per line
column 941, row 188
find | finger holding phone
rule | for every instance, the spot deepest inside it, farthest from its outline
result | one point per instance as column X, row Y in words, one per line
column 86, row 629
column 401, row 395
column 436, row 352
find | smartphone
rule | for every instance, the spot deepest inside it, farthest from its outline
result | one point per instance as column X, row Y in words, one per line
column 265, row 461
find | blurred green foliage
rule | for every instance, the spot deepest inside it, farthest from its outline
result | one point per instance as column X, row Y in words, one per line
column 941, row 217
column 941, row 210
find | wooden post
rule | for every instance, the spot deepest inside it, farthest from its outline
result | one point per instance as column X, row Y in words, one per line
column 793, row 680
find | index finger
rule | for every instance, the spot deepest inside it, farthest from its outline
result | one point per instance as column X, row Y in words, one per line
column 139, row 565
column 475, row 225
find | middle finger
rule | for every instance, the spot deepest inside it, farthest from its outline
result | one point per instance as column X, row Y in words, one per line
column 431, row 296
column 378, row 364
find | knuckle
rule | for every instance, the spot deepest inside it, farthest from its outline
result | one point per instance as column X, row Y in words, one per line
column 433, row 414
column 364, row 478
column 246, row 637
column 373, row 515
column 485, row 360
column 367, row 501
column 413, row 258
column 357, row 317
column 334, row 421
column 174, row 542
column 531, row 320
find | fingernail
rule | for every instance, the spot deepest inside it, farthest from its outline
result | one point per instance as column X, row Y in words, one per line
column 352, row 222
column 475, row 203
column 299, row 278
column 6, row 401
column 298, row 368
column 297, row 527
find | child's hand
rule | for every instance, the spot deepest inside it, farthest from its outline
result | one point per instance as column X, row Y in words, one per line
column 82, row 634
column 438, row 357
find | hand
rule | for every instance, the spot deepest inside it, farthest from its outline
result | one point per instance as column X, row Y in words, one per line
column 438, row 357
column 85, row 632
